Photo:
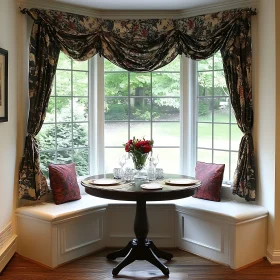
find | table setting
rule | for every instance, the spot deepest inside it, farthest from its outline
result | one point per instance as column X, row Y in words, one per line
column 145, row 182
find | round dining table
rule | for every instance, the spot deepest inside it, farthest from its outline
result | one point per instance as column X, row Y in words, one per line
column 140, row 248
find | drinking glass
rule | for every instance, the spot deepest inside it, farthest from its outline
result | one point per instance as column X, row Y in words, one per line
column 122, row 161
column 155, row 160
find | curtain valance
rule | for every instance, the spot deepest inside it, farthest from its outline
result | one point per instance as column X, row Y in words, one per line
column 139, row 45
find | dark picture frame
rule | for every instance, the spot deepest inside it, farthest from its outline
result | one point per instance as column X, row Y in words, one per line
column 3, row 85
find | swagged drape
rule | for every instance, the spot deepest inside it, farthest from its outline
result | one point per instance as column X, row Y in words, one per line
column 140, row 45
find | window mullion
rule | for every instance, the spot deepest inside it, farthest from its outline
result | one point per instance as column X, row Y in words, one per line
column 96, row 116
column 187, row 116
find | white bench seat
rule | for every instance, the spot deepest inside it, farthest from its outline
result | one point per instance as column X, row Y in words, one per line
column 48, row 211
column 227, row 232
column 226, row 210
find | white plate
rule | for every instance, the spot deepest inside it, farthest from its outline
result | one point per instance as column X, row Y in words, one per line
column 182, row 182
column 104, row 182
column 151, row 186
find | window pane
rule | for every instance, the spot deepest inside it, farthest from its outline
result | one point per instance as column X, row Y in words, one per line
column 140, row 84
column 116, row 109
column 221, row 136
column 116, row 84
column 81, row 161
column 64, row 109
column 63, row 83
column 206, row 64
column 233, row 119
column 111, row 159
column 222, row 158
column 64, row 135
column 236, row 135
column 221, row 110
column 166, row 134
column 218, row 61
column 205, row 83
column 140, row 130
column 59, row 140
column 140, row 108
column 204, row 135
column 64, row 157
column 80, row 83
column 80, row 65
column 220, row 86
column 174, row 65
column 116, row 133
column 80, row 134
column 109, row 66
column 50, row 115
column 46, row 137
column 233, row 163
column 64, row 61
column 53, row 86
column 46, row 158
column 80, row 109
column 166, row 109
column 204, row 155
column 166, row 84
column 204, row 109
column 169, row 159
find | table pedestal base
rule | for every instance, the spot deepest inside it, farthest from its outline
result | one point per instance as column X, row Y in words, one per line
column 137, row 250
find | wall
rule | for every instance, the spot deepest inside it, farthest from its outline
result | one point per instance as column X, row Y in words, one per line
column 266, row 87
column 277, row 131
column 267, row 117
column 8, row 130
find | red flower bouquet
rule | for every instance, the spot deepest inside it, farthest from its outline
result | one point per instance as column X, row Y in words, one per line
column 139, row 149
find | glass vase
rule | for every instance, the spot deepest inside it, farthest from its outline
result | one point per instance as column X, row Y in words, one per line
column 139, row 162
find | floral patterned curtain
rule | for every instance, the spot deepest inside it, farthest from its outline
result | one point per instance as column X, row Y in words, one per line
column 146, row 45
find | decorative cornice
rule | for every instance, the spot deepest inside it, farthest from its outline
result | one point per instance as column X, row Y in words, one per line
column 131, row 14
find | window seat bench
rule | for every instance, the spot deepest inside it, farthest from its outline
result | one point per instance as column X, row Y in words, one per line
column 228, row 232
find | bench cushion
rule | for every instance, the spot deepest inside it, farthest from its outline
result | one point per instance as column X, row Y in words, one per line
column 50, row 212
column 227, row 210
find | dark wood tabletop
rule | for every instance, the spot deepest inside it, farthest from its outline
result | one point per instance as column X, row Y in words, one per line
column 133, row 191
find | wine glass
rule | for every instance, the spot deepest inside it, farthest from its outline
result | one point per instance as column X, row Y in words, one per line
column 122, row 161
column 155, row 160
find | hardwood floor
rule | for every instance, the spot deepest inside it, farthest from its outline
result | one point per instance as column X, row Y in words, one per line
column 184, row 266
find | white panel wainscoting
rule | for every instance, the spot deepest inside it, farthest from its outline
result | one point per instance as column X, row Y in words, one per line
column 7, row 245
column 228, row 232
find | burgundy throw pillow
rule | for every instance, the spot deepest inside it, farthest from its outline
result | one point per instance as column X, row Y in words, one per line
column 211, row 177
column 63, row 181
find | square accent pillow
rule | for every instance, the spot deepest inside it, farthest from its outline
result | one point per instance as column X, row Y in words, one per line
column 211, row 177
column 63, row 181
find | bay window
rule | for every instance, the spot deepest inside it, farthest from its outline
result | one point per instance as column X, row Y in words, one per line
column 95, row 107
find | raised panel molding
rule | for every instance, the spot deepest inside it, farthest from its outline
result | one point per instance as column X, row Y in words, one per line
column 7, row 251
column 217, row 234
column 95, row 223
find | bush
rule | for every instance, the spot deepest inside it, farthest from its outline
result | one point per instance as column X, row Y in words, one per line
column 203, row 108
column 116, row 112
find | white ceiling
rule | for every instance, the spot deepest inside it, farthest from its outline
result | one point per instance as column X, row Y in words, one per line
column 142, row 4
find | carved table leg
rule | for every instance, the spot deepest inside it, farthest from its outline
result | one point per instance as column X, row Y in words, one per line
column 159, row 253
column 120, row 253
column 140, row 248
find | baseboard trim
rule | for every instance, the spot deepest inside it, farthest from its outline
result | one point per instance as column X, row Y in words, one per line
column 273, row 256
column 7, row 252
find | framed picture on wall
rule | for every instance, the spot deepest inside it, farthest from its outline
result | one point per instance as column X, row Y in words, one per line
column 3, row 85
